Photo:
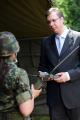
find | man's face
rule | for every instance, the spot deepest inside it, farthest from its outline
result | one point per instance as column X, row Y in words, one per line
column 55, row 23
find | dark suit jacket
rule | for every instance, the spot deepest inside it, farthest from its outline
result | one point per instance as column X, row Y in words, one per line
column 69, row 92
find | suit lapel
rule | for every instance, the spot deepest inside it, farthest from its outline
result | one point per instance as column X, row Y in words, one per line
column 53, row 46
column 53, row 51
column 68, row 44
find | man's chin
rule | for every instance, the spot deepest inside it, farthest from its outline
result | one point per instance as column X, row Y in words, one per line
column 53, row 30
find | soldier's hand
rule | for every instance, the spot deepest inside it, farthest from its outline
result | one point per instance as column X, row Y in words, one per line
column 35, row 93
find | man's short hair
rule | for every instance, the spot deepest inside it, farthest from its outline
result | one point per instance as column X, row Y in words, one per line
column 54, row 9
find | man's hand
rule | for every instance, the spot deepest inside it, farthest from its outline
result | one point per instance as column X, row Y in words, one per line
column 61, row 77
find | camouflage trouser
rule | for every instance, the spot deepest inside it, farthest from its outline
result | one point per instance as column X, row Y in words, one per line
column 12, row 116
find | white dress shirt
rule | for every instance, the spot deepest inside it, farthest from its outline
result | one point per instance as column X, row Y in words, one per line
column 62, row 39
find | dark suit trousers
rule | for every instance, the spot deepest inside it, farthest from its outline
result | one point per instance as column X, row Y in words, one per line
column 60, row 112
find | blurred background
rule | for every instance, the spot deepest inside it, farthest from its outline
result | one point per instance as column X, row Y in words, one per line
column 26, row 20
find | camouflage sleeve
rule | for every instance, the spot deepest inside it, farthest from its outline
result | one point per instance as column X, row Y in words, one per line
column 23, row 88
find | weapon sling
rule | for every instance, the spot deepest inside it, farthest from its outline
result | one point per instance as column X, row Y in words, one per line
column 64, row 60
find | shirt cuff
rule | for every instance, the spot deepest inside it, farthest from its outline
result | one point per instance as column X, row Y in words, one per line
column 68, row 76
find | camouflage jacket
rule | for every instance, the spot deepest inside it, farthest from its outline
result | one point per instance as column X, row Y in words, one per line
column 15, row 88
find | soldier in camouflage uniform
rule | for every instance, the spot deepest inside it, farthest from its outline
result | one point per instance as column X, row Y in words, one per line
column 16, row 97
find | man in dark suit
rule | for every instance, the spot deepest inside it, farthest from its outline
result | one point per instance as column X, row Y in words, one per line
column 63, row 92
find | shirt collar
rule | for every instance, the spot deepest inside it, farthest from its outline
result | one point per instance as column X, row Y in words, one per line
column 64, row 34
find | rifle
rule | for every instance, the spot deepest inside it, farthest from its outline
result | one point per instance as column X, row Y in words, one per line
column 45, row 75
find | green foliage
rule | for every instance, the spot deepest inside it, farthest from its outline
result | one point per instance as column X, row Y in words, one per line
column 71, row 10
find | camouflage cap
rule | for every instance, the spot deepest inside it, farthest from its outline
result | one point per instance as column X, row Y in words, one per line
column 8, row 44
